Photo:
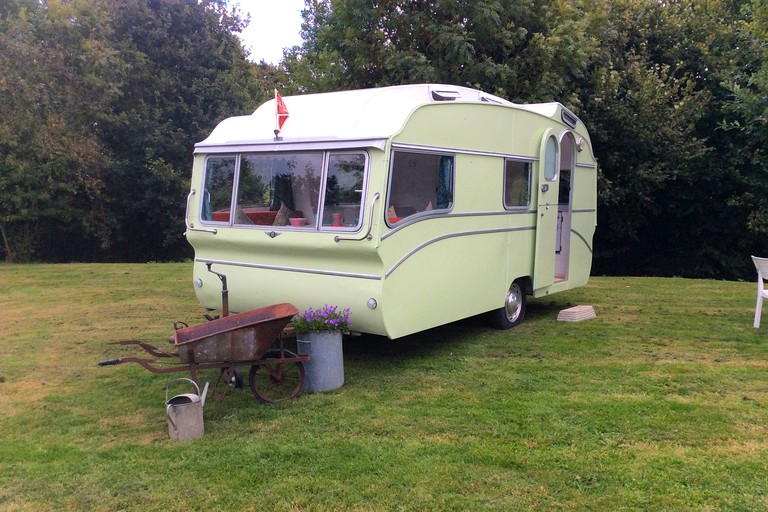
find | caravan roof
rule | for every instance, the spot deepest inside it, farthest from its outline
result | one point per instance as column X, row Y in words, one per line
column 361, row 115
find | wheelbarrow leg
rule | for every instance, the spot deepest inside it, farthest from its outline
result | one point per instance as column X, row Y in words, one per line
column 219, row 393
column 192, row 364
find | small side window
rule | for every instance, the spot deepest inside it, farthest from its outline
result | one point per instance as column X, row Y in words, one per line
column 517, row 184
column 254, row 189
column 551, row 160
column 344, row 190
column 217, row 190
column 419, row 182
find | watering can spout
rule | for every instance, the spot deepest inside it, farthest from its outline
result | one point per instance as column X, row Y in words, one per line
column 202, row 397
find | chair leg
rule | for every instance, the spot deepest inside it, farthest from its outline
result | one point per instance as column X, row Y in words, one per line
column 758, row 310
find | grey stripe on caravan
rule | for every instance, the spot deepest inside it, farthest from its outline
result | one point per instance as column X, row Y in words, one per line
column 290, row 269
column 422, row 217
column 589, row 248
column 453, row 235
column 439, row 149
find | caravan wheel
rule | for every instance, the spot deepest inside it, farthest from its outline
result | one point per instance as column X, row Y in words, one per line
column 513, row 311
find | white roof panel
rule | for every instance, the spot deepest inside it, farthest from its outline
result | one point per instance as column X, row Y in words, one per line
column 365, row 114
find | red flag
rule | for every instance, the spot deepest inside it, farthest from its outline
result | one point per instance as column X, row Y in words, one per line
column 281, row 112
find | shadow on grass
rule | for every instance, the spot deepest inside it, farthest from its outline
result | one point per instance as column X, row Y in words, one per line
column 376, row 354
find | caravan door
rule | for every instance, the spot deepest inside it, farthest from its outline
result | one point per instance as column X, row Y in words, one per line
column 546, row 216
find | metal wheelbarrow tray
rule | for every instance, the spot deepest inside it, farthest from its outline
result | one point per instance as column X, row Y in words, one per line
column 229, row 342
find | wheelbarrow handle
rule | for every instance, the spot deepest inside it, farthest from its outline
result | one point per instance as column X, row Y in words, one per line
column 110, row 362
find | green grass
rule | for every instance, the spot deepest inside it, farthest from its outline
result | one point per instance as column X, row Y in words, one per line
column 660, row 403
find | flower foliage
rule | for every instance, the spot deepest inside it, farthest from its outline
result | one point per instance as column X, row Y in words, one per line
column 326, row 319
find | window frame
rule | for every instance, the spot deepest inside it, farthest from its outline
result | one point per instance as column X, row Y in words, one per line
column 424, row 213
column 324, row 188
column 529, row 168
column 201, row 205
column 553, row 161
column 317, row 226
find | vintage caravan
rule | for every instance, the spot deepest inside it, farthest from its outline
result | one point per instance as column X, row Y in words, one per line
column 414, row 206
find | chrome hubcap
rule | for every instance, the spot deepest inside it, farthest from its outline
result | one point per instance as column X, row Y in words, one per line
column 513, row 302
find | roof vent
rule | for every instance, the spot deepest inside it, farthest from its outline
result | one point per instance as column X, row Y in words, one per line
column 445, row 95
column 569, row 118
column 486, row 99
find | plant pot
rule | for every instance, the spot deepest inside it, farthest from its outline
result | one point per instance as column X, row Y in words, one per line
column 325, row 369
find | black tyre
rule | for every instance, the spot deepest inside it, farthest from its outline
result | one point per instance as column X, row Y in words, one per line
column 232, row 376
column 512, row 312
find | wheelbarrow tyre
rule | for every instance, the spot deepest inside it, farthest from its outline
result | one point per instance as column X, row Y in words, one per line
column 233, row 376
column 275, row 382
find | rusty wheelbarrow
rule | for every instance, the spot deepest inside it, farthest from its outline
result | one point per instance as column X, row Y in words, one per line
column 243, row 339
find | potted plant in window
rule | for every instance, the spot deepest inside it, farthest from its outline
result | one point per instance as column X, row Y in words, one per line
column 319, row 335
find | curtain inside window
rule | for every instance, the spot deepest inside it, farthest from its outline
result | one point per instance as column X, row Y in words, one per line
column 444, row 182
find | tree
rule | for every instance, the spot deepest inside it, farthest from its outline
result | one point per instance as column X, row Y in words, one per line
column 669, row 95
column 673, row 194
column 519, row 49
column 745, row 115
column 185, row 71
column 103, row 101
column 56, row 78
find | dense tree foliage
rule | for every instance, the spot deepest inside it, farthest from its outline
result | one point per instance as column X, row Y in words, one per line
column 674, row 94
column 106, row 99
column 50, row 159
column 102, row 101
column 186, row 72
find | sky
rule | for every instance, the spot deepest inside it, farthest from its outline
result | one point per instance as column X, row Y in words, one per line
column 275, row 24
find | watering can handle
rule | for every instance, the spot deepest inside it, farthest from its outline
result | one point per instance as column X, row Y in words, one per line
column 197, row 388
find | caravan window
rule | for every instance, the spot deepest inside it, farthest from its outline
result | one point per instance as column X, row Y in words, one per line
column 551, row 160
column 284, row 189
column 517, row 184
column 274, row 188
column 217, row 188
column 419, row 182
column 343, row 190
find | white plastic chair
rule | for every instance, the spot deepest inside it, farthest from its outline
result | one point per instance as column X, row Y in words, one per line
column 761, row 264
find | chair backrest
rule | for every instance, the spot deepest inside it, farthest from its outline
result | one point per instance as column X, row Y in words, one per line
column 761, row 264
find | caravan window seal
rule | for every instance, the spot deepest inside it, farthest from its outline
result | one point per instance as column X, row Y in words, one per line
column 363, row 191
column 523, row 193
column 349, row 221
column 417, row 187
column 205, row 195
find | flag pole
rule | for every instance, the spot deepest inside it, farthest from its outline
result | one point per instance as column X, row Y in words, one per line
column 277, row 117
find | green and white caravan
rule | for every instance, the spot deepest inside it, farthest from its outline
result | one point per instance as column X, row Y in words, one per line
column 414, row 206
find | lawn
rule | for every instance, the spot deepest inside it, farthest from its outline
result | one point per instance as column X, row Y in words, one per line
column 660, row 403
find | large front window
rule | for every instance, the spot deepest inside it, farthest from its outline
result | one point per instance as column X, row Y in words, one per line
column 307, row 190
